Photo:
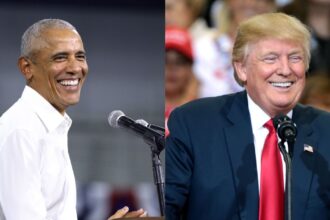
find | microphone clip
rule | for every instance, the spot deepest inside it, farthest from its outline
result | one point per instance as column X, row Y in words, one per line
column 286, row 130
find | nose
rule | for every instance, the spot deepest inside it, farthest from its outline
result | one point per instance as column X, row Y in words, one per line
column 75, row 66
column 284, row 68
column 169, row 70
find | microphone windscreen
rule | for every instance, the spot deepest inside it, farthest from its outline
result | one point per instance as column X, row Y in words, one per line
column 114, row 117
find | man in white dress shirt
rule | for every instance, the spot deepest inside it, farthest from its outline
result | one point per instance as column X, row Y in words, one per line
column 36, row 176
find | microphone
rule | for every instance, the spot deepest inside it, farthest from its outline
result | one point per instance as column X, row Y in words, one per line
column 118, row 119
column 287, row 131
column 285, row 128
column 155, row 140
column 151, row 126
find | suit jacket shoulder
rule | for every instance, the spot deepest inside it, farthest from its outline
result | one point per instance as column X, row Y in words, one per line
column 200, row 111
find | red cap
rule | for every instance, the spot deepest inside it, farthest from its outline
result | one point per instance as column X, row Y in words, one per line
column 180, row 40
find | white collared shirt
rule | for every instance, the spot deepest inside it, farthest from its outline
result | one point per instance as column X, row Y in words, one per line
column 258, row 119
column 36, row 176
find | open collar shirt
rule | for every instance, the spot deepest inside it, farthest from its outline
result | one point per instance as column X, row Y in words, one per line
column 36, row 176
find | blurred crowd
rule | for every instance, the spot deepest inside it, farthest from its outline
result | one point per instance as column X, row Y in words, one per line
column 199, row 37
column 99, row 200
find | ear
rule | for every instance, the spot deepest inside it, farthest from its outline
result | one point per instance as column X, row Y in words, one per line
column 25, row 66
column 241, row 71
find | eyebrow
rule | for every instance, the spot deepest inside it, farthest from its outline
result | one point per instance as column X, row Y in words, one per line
column 66, row 53
column 81, row 52
column 296, row 52
column 59, row 54
column 269, row 53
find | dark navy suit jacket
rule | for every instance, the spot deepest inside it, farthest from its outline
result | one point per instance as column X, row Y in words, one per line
column 211, row 169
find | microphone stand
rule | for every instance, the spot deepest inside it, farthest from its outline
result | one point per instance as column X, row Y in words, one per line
column 157, row 144
column 288, row 164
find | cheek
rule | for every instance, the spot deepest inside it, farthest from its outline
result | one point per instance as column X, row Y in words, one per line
column 85, row 69
column 52, row 74
column 260, row 72
column 301, row 84
column 185, row 75
column 171, row 73
column 55, row 70
column 45, row 77
column 180, row 76
column 299, row 71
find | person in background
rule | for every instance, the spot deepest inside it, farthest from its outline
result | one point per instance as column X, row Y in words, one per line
column 317, row 91
column 222, row 154
column 213, row 67
column 315, row 14
column 36, row 176
column 180, row 84
column 187, row 14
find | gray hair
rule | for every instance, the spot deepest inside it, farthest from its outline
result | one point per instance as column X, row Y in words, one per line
column 35, row 31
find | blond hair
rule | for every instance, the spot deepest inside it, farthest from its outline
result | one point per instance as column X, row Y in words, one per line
column 270, row 25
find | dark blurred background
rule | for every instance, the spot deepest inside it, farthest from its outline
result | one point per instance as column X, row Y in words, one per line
column 124, row 40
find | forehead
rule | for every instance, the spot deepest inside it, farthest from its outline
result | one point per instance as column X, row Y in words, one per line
column 55, row 36
column 276, row 46
column 174, row 55
column 57, row 39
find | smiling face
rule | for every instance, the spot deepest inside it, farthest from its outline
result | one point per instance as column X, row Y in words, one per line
column 58, row 67
column 274, row 74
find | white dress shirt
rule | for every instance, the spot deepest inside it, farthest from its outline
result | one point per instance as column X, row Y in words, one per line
column 258, row 119
column 36, row 176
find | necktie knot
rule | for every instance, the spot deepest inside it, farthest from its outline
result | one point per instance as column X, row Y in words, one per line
column 270, row 126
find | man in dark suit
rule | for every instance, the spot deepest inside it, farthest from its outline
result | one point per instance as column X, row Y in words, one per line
column 215, row 162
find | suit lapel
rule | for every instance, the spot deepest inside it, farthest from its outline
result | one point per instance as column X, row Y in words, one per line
column 303, row 161
column 240, row 146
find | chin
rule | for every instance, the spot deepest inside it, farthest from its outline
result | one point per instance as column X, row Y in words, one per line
column 283, row 100
column 286, row 106
column 72, row 101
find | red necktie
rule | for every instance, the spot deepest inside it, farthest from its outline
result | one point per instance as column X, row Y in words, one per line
column 271, row 202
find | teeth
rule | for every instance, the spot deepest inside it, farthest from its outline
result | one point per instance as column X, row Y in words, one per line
column 69, row 82
column 281, row 84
